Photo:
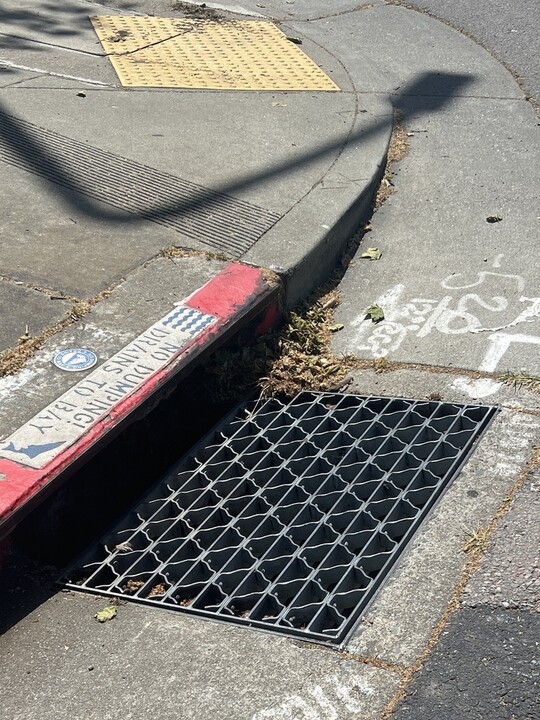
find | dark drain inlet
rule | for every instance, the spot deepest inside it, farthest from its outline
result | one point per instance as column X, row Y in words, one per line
column 287, row 517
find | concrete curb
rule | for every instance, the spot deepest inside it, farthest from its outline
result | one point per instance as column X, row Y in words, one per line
column 44, row 451
column 331, row 212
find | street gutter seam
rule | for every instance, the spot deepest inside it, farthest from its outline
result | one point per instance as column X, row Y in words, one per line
column 470, row 568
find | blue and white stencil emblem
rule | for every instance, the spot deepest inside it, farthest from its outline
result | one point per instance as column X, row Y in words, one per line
column 75, row 359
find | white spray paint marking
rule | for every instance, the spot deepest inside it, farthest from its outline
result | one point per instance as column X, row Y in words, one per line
column 67, row 419
column 12, row 382
column 293, row 708
column 456, row 313
column 481, row 388
column 7, row 63
column 481, row 279
column 331, row 699
column 530, row 314
column 324, row 702
column 499, row 345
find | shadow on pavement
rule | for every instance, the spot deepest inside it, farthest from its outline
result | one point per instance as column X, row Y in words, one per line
column 23, row 584
column 57, row 21
column 428, row 93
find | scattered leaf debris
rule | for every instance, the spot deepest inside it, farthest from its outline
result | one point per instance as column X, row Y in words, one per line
column 132, row 586
column 159, row 589
column 381, row 365
column 372, row 253
column 375, row 313
column 336, row 328
column 106, row 614
column 397, row 150
column 201, row 11
column 124, row 547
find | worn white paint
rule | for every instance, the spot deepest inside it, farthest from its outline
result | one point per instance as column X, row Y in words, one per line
column 88, row 81
column 326, row 701
column 67, row 419
column 530, row 314
column 476, row 389
column 481, row 277
column 9, row 383
column 457, row 312
column 499, row 345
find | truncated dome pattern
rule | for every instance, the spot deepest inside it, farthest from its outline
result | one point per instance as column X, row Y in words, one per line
column 287, row 516
column 206, row 54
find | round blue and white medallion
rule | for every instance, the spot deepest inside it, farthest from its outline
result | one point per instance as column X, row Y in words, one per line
column 75, row 359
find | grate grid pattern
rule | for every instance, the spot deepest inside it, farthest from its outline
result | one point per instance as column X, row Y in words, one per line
column 288, row 517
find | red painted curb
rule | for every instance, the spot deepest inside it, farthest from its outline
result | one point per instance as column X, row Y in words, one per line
column 237, row 294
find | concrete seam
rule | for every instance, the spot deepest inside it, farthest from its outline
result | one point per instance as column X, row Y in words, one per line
column 17, row 82
column 53, row 45
column 379, row 664
column 52, row 294
column 457, row 95
column 345, row 141
column 469, row 570
column 14, row 358
column 367, row 6
column 424, row 11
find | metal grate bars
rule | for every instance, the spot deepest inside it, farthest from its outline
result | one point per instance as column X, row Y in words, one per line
column 288, row 516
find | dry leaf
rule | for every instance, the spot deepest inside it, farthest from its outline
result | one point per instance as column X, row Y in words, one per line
column 106, row 614
column 372, row 253
column 375, row 313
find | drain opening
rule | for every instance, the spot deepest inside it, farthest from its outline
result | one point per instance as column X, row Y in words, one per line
column 287, row 517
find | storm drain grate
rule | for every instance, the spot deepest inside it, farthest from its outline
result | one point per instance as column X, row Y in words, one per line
column 287, row 517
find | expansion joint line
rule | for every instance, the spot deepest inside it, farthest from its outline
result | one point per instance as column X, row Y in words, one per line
column 470, row 568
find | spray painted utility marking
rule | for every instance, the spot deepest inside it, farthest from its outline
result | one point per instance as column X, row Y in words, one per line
column 288, row 517
column 475, row 306
column 68, row 418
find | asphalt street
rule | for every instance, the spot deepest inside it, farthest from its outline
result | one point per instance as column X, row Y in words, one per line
column 507, row 29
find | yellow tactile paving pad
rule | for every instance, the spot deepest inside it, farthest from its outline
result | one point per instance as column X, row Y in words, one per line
column 206, row 54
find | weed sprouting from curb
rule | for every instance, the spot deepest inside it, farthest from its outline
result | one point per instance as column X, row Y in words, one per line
column 519, row 380
column 14, row 358
column 477, row 542
column 397, row 150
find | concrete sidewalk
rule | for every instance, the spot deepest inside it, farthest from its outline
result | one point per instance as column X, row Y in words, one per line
column 100, row 181
column 283, row 158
